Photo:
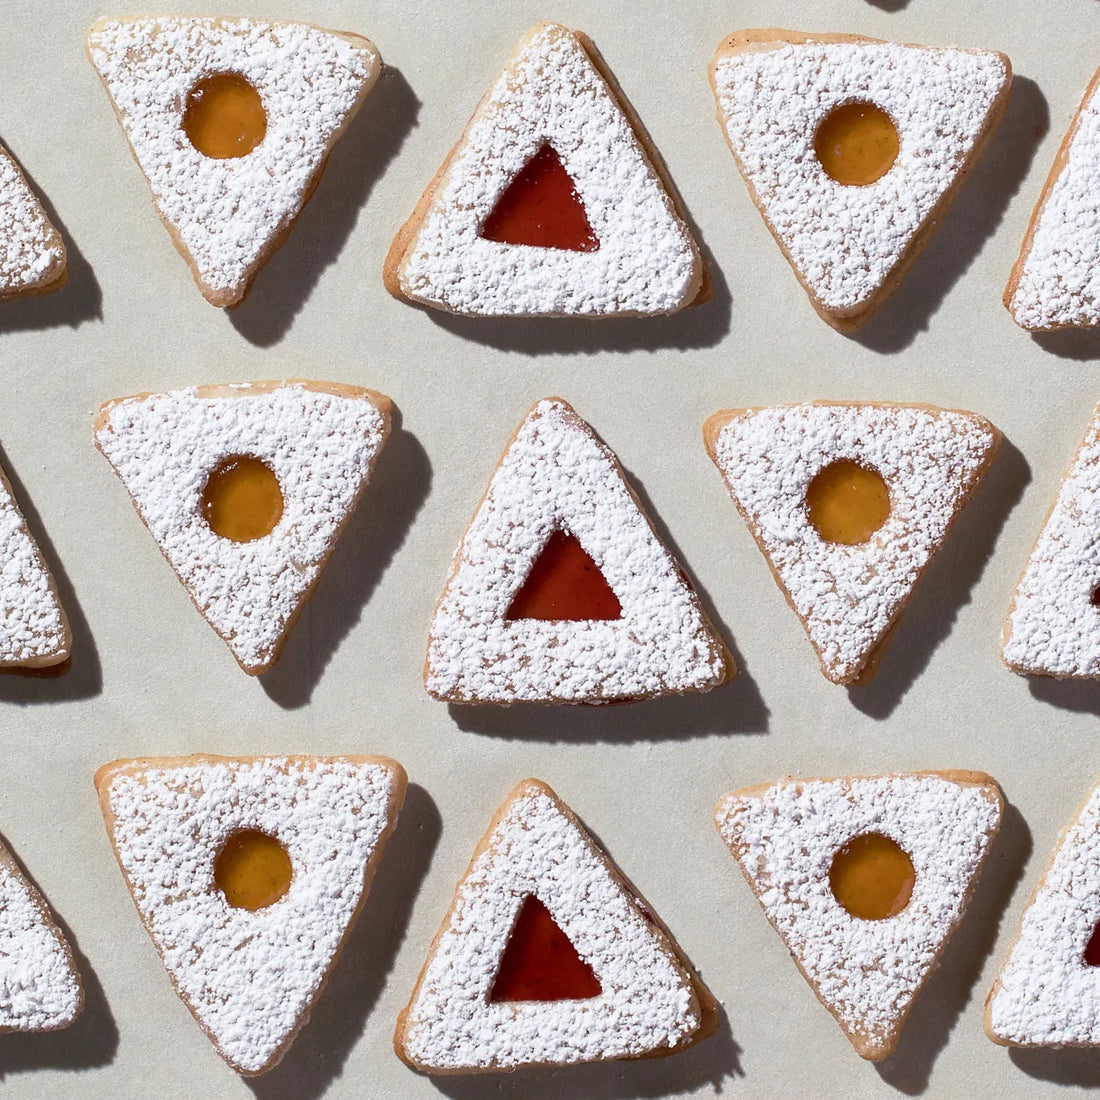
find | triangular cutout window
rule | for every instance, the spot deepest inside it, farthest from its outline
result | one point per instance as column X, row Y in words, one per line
column 565, row 585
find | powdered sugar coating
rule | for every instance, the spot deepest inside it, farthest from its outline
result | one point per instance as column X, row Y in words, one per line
column 39, row 986
column 32, row 253
column 1053, row 628
column 250, row 977
column 321, row 447
column 648, row 1003
column 551, row 91
column 848, row 596
column 227, row 214
column 866, row 972
column 557, row 475
column 844, row 241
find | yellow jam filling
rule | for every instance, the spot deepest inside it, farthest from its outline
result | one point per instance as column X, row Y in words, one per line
column 847, row 502
column 242, row 500
column 252, row 870
column 872, row 877
column 224, row 116
column 856, row 143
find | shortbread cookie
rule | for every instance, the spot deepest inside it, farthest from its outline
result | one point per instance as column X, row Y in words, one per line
column 561, row 591
column 39, row 984
column 853, row 149
column 248, row 873
column 548, row 956
column 553, row 202
column 1048, row 992
column 231, row 121
column 865, row 879
column 32, row 254
column 1053, row 624
column 246, row 488
column 849, row 503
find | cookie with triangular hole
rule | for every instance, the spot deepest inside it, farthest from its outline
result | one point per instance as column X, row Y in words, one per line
column 853, row 149
column 246, row 488
column 554, row 202
column 849, row 503
column 248, row 874
column 561, row 591
column 1047, row 993
column 548, row 956
column 33, row 259
column 231, row 121
column 865, row 878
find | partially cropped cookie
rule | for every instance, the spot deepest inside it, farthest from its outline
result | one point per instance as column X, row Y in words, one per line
column 849, row 503
column 231, row 121
column 246, row 488
column 853, row 149
column 553, row 203
column 561, row 591
column 865, row 879
column 33, row 259
column 548, row 956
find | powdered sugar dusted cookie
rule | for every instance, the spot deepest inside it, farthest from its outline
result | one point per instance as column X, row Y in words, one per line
column 865, row 879
column 39, row 985
column 561, row 591
column 231, row 121
column 248, row 873
column 32, row 254
column 1053, row 624
column 1048, row 992
column 849, row 503
column 552, row 202
column 548, row 956
column 853, row 150
column 246, row 489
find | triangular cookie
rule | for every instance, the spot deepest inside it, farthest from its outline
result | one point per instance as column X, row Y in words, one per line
column 851, row 243
column 800, row 845
column 228, row 212
column 639, row 996
column 1053, row 624
column 1055, row 283
column 849, row 594
column 1048, row 992
column 198, row 837
column 555, row 476
column 32, row 254
column 39, row 985
column 554, row 101
column 318, row 442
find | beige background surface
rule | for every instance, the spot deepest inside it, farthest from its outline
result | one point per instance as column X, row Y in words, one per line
column 150, row 677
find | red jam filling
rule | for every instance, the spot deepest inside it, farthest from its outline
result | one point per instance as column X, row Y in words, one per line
column 565, row 584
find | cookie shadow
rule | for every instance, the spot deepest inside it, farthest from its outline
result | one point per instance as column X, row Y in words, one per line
column 358, row 160
column 889, row 5
column 1070, row 694
column 78, row 300
column 946, row 586
column 321, row 1050
column 711, row 1063
column 374, row 534
column 80, row 677
column 939, row 1005
column 1071, row 343
column 1072, row 1067
column 972, row 219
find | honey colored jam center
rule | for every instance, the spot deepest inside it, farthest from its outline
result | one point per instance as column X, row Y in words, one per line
column 847, row 502
column 541, row 207
column 565, row 584
column 872, row 877
column 856, row 143
column 540, row 962
column 242, row 500
column 224, row 116
column 252, row 870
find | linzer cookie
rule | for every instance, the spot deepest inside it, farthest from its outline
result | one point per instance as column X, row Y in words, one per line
column 231, row 121
column 32, row 254
column 39, row 985
column 561, row 591
column 248, row 873
column 246, row 489
column 1048, row 992
column 553, row 202
column 548, row 956
column 1053, row 624
column 853, row 149
column 865, row 879
column 849, row 503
